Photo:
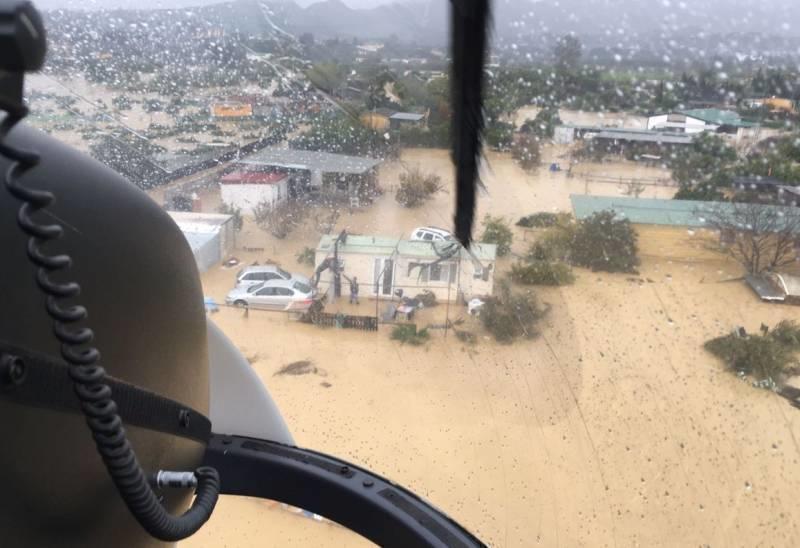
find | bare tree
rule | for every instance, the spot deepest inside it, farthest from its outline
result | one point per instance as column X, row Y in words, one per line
column 634, row 188
column 278, row 219
column 760, row 237
column 416, row 186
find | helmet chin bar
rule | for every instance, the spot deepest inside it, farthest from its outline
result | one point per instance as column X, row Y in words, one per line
column 358, row 499
column 362, row 501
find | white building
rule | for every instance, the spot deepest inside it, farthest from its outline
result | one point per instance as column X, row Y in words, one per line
column 212, row 236
column 699, row 120
column 247, row 189
column 385, row 264
column 675, row 121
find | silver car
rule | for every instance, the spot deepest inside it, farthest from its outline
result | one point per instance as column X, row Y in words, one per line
column 274, row 295
column 256, row 275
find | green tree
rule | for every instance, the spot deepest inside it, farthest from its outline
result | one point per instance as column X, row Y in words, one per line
column 603, row 242
column 526, row 152
column 496, row 230
column 500, row 135
column 544, row 125
column 703, row 168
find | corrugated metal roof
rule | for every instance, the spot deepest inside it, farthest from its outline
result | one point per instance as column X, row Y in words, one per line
column 410, row 116
column 326, row 162
column 640, row 210
column 645, row 136
column 764, row 288
column 718, row 116
column 387, row 245
column 204, row 223
column 653, row 211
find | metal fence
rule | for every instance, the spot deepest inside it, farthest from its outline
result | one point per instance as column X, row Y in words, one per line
column 344, row 321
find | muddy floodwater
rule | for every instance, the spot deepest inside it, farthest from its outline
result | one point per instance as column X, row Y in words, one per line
column 613, row 427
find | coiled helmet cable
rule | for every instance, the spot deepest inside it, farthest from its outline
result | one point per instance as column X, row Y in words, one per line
column 22, row 37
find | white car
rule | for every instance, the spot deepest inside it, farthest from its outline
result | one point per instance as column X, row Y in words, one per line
column 274, row 295
column 258, row 274
column 431, row 234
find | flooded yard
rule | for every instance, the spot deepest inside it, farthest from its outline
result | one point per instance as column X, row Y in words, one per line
column 613, row 427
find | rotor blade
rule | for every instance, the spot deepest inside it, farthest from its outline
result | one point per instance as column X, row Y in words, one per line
column 469, row 39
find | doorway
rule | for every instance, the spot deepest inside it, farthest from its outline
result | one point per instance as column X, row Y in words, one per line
column 383, row 276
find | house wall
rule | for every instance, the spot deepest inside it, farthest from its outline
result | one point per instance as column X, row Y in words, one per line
column 227, row 239
column 362, row 266
column 205, row 248
column 564, row 135
column 246, row 197
column 375, row 121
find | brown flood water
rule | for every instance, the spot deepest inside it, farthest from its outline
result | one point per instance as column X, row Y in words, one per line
column 612, row 428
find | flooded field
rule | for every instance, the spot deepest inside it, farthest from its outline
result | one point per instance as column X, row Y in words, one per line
column 612, row 428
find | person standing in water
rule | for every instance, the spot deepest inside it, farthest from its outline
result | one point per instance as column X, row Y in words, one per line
column 353, row 289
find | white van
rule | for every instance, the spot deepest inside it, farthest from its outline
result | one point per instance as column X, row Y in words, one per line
column 431, row 234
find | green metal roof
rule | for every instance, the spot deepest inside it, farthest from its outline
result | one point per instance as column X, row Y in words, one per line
column 718, row 116
column 651, row 211
column 387, row 245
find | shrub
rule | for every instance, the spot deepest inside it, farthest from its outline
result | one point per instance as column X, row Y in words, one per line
column 511, row 315
column 542, row 273
column 496, row 231
column 756, row 354
column 416, row 187
column 603, row 242
column 543, row 219
column 407, row 333
column 766, row 356
column 787, row 333
column 553, row 244
column 465, row 336
column 307, row 256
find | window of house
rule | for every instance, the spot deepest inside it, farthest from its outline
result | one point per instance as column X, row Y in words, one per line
column 438, row 272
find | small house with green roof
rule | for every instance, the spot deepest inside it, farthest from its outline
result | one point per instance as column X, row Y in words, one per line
column 385, row 264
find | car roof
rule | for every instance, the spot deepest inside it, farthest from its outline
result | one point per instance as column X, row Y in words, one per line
column 432, row 229
column 278, row 283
